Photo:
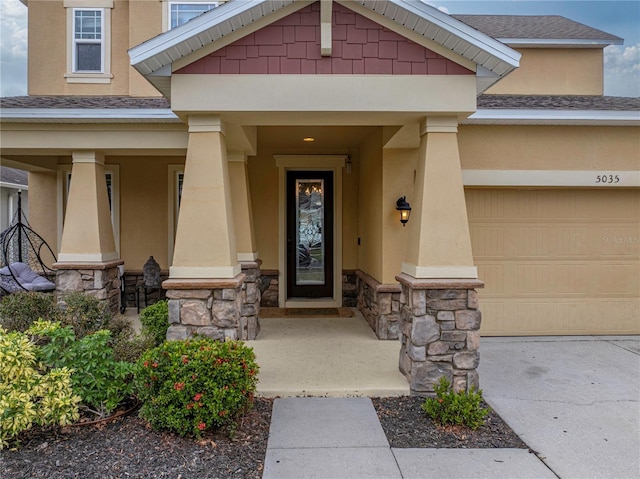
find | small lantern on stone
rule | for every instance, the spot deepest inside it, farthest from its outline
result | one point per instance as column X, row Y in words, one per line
column 151, row 273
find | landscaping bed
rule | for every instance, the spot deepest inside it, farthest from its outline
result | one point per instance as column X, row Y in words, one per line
column 127, row 447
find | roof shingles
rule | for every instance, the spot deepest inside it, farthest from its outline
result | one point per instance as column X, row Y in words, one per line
column 541, row 27
column 525, row 102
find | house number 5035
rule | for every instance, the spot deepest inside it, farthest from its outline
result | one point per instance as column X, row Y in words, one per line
column 607, row 179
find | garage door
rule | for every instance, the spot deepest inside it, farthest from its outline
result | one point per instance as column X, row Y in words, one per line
column 563, row 262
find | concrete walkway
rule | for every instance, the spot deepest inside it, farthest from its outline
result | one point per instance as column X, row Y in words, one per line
column 575, row 401
column 334, row 438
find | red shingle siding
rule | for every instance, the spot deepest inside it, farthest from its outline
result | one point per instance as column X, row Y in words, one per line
column 292, row 46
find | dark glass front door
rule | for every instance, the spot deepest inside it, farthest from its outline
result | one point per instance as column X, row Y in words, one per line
column 309, row 234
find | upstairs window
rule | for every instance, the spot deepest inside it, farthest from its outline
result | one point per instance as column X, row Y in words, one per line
column 182, row 12
column 88, row 40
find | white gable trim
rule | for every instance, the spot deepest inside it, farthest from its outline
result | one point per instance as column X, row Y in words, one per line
column 236, row 18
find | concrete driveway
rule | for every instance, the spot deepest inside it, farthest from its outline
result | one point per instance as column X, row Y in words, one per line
column 574, row 400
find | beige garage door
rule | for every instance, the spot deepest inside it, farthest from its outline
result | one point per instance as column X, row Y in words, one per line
column 557, row 261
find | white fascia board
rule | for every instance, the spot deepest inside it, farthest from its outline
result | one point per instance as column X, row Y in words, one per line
column 35, row 114
column 557, row 43
column 459, row 29
column 168, row 43
column 13, row 186
column 553, row 117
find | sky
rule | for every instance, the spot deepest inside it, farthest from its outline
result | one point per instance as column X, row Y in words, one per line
column 618, row 17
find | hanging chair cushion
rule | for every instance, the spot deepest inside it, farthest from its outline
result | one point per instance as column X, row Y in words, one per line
column 26, row 279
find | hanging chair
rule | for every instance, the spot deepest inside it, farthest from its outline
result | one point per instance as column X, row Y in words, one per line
column 24, row 257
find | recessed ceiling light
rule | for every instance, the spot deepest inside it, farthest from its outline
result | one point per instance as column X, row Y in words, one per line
column 308, row 139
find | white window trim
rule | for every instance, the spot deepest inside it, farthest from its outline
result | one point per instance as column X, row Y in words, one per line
column 64, row 172
column 105, row 75
column 174, row 172
column 166, row 10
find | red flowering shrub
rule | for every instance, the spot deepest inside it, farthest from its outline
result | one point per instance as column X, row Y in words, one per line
column 190, row 386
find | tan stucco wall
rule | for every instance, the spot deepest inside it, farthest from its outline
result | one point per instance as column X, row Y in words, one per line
column 370, row 222
column 555, row 71
column 549, row 147
column 143, row 208
column 264, row 188
column 139, row 32
column 263, row 183
column 42, row 215
column 350, row 212
column 48, row 28
column 398, row 179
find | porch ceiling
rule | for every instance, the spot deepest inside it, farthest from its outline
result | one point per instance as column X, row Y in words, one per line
column 332, row 138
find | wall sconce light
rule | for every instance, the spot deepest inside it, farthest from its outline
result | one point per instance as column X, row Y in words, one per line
column 404, row 208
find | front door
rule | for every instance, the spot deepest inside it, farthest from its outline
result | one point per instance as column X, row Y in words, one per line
column 309, row 199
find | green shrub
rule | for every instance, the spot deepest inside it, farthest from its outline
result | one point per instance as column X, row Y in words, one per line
column 126, row 345
column 84, row 313
column 101, row 382
column 18, row 311
column 27, row 396
column 193, row 385
column 155, row 321
column 458, row 408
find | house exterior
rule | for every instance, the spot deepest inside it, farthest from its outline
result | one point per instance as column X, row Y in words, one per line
column 258, row 152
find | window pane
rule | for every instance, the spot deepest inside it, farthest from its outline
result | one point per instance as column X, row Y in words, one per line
column 183, row 12
column 309, row 231
column 88, row 25
column 88, row 57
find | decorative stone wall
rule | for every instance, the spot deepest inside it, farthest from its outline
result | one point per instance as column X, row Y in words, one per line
column 440, row 324
column 349, row 289
column 380, row 305
column 99, row 280
column 217, row 308
column 250, row 306
column 135, row 278
column 269, row 288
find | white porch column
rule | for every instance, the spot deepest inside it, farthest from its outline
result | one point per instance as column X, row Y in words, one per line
column 205, row 245
column 87, row 236
column 439, row 242
column 241, row 202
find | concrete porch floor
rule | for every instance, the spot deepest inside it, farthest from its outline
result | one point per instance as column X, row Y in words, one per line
column 326, row 357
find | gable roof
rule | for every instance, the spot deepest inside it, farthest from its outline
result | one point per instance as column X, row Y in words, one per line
column 541, row 30
column 237, row 18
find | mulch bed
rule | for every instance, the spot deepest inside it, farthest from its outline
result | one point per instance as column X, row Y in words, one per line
column 407, row 426
column 127, row 447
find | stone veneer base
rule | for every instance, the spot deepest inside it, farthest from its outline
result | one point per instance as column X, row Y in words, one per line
column 99, row 280
column 380, row 305
column 217, row 308
column 440, row 333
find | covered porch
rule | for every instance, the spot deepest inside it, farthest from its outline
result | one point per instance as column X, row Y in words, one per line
column 325, row 356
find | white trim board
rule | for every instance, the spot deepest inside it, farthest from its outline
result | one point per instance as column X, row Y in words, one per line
column 558, row 178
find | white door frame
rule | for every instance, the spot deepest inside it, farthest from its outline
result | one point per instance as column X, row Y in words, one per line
column 333, row 163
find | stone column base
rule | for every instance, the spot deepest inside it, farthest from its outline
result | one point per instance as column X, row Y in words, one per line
column 380, row 305
column 217, row 308
column 99, row 280
column 251, row 298
column 440, row 324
